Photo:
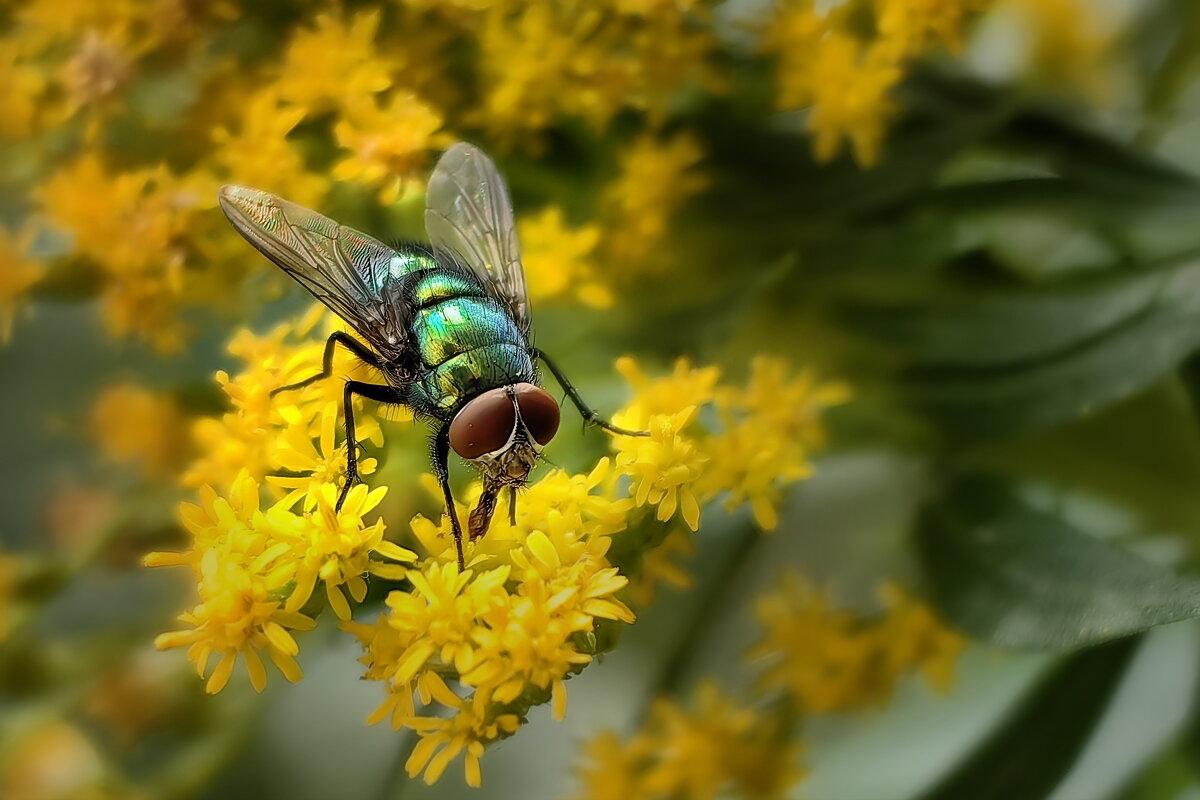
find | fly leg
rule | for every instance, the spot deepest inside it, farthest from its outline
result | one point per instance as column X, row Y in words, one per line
column 345, row 340
column 512, row 505
column 441, row 468
column 590, row 417
column 371, row 391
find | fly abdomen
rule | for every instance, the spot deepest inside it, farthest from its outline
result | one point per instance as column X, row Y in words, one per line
column 461, row 324
column 470, row 373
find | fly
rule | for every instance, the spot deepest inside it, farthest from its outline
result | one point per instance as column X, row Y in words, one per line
column 447, row 325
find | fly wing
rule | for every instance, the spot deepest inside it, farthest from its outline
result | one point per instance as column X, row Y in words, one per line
column 346, row 270
column 469, row 216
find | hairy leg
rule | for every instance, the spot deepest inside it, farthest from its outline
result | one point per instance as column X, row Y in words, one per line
column 590, row 416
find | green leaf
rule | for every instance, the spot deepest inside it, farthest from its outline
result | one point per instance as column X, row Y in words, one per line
column 1167, row 776
column 1031, row 752
column 983, row 323
column 1010, row 574
column 1142, row 454
column 982, row 404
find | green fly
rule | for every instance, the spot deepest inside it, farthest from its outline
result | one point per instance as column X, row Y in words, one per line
column 447, row 325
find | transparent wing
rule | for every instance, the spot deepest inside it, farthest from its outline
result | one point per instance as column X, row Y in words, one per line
column 468, row 215
column 346, row 270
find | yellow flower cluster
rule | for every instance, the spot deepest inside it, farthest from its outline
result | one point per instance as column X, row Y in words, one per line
column 821, row 660
column 827, row 65
column 719, row 749
column 539, row 596
column 293, row 432
column 256, row 570
column 767, row 430
column 510, row 629
column 656, row 176
column 587, row 59
column 131, row 225
column 830, row 660
column 560, row 259
column 371, row 86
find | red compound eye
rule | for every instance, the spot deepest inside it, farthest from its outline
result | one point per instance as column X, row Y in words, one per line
column 483, row 425
column 539, row 411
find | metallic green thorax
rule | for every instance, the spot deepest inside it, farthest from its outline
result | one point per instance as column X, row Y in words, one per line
column 467, row 342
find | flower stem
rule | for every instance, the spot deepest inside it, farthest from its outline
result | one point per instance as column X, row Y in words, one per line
column 745, row 540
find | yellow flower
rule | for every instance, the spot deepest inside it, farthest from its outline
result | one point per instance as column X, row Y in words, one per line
column 22, row 86
column 658, row 567
column 663, row 467
column 259, row 154
column 1068, row 42
column 256, row 570
column 793, row 33
column 321, row 464
column 830, row 660
column 720, row 749
column 465, row 732
column 332, row 61
column 96, row 73
column 18, row 272
column 388, row 145
column 768, row 431
column 239, row 613
column 133, row 225
column 334, row 547
column 135, row 424
column 543, row 61
column 558, row 259
column 914, row 27
column 265, row 434
column 850, row 85
column 685, row 386
column 655, row 179
column 915, row 637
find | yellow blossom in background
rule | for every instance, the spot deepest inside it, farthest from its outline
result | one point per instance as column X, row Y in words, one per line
column 684, row 386
column 825, row 64
column 133, row 226
column 135, row 424
column 659, row 568
column 53, row 760
column 768, row 430
column 719, row 749
column 95, row 74
column 332, row 61
column 541, row 62
column 257, row 153
column 829, row 659
column 850, row 89
column 914, row 27
column 18, row 272
column 388, row 145
column 51, row 21
column 656, row 177
column 559, row 259
column 21, row 88
column 1068, row 42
